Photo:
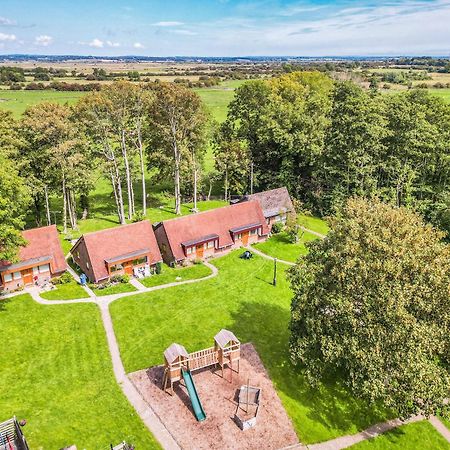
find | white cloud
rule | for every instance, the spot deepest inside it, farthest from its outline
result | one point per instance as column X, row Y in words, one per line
column 43, row 40
column 138, row 45
column 168, row 24
column 97, row 43
column 112, row 44
column 7, row 37
column 185, row 32
column 7, row 22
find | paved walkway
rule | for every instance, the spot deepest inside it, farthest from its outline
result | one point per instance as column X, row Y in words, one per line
column 137, row 284
column 440, row 427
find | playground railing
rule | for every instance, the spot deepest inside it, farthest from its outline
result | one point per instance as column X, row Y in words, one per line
column 203, row 358
column 11, row 436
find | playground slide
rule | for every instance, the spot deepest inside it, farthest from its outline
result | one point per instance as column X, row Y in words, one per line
column 192, row 391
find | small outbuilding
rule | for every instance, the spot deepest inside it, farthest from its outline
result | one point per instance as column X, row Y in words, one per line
column 275, row 203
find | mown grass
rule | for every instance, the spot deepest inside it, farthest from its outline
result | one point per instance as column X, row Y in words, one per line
column 171, row 275
column 118, row 288
column 414, row 436
column 442, row 93
column 242, row 299
column 68, row 291
column 313, row 223
column 279, row 246
column 57, row 373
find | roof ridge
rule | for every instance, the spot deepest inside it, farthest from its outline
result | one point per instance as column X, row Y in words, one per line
column 114, row 228
column 40, row 228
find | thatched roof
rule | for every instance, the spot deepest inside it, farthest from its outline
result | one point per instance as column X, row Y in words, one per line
column 175, row 351
column 224, row 337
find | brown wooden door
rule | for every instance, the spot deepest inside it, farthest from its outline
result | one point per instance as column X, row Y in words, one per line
column 245, row 238
column 199, row 251
column 27, row 276
column 128, row 267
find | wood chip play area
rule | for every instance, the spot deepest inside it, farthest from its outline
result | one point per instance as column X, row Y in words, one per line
column 222, row 398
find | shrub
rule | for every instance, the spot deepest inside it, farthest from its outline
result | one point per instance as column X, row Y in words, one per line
column 120, row 278
column 277, row 227
column 65, row 278
column 158, row 268
column 138, row 217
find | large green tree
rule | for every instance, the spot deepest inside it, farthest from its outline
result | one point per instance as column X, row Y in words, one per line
column 372, row 306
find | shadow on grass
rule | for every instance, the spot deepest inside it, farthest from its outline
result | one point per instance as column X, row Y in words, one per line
column 3, row 303
column 320, row 413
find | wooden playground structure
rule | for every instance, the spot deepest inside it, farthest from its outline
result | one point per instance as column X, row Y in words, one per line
column 11, row 436
column 225, row 352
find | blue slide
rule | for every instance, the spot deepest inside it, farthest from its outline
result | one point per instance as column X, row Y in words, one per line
column 195, row 400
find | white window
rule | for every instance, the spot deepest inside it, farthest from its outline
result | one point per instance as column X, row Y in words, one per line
column 188, row 250
column 17, row 275
column 239, row 236
column 210, row 244
column 87, row 264
column 44, row 268
column 8, row 277
column 253, row 232
column 35, row 270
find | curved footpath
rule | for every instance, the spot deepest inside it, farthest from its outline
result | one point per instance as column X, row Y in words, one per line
column 146, row 413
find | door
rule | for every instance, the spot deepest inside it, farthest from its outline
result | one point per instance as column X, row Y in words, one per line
column 128, row 268
column 199, row 251
column 27, row 276
column 245, row 238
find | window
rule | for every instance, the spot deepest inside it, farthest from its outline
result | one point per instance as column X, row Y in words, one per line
column 17, row 275
column 188, row 250
column 44, row 268
column 8, row 277
column 253, row 232
column 239, row 236
column 138, row 261
column 116, row 267
column 87, row 264
column 77, row 255
column 210, row 244
column 35, row 270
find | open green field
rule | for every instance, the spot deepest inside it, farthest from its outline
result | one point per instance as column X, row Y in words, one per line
column 414, row 436
column 242, row 299
column 442, row 93
column 57, row 373
column 18, row 101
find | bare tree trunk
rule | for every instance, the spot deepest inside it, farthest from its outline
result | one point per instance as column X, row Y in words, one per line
column 251, row 178
column 226, row 184
column 69, row 207
column 47, row 206
column 116, row 198
column 128, row 177
column 64, row 203
column 177, row 179
column 141, row 160
column 210, row 189
column 74, row 210
column 195, row 183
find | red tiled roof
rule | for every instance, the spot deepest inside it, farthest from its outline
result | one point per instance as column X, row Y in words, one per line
column 114, row 242
column 214, row 222
column 42, row 242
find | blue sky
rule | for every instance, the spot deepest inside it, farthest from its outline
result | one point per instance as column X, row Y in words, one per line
column 225, row 27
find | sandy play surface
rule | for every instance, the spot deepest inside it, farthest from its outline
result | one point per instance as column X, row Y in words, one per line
column 274, row 429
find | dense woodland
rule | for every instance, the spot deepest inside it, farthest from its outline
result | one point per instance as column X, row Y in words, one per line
column 325, row 140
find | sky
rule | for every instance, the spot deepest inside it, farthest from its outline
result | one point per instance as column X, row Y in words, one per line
column 225, row 27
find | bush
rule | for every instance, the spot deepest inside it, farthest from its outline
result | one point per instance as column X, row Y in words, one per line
column 120, row 278
column 138, row 217
column 277, row 227
column 158, row 268
column 65, row 278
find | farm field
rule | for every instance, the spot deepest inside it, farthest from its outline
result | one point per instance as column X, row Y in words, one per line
column 242, row 299
column 57, row 374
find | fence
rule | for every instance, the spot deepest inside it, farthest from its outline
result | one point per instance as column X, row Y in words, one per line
column 11, row 436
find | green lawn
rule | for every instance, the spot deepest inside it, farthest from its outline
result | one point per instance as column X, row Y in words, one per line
column 414, row 436
column 313, row 223
column 68, row 291
column 242, row 299
column 118, row 288
column 57, row 373
column 169, row 275
column 19, row 101
column 278, row 246
column 442, row 93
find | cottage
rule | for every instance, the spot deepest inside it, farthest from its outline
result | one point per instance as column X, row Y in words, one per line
column 129, row 249
column 209, row 233
column 276, row 204
column 41, row 259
